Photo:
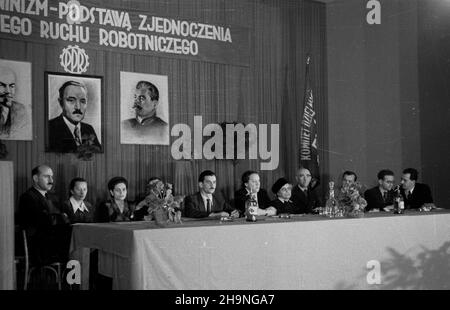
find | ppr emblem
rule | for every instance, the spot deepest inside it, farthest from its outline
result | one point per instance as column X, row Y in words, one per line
column 74, row 59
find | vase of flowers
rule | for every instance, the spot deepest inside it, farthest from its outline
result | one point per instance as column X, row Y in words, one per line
column 160, row 204
column 86, row 150
column 351, row 201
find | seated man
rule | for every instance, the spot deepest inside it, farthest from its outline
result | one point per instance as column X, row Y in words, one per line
column 415, row 195
column 348, row 178
column 304, row 198
column 47, row 228
column 251, row 186
column 381, row 197
column 283, row 189
column 204, row 203
column 77, row 208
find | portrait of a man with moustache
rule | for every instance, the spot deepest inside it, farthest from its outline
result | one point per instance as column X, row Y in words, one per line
column 148, row 126
column 67, row 132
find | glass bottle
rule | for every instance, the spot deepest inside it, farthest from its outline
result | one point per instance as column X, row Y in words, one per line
column 251, row 209
column 331, row 205
column 399, row 203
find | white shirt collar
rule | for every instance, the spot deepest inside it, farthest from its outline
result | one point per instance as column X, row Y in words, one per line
column 78, row 205
column 206, row 196
column 72, row 126
column 41, row 191
column 283, row 200
column 302, row 189
column 382, row 190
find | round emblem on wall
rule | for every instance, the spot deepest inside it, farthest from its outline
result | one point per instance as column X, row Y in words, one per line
column 74, row 59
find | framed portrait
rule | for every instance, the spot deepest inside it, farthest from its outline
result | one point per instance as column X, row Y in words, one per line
column 15, row 100
column 144, row 107
column 74, row 113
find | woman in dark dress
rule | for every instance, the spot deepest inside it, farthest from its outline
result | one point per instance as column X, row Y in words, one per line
column 116, row 208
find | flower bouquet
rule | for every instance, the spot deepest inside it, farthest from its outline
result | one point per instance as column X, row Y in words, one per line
column 88, row 148
column 160, row 203
column 350, row 200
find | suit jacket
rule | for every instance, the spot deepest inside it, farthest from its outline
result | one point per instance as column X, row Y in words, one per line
column 61, row 140
column 108, row 211
column 303, row 203
column 194, row 206
column 420, row 195
column 79, row 217
column 241, row 196
column 18, row 124
column 375, row 199
column 285, row 207
column 152, row 131
column 46, row 227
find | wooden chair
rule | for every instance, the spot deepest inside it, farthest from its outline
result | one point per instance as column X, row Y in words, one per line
column 53, row 267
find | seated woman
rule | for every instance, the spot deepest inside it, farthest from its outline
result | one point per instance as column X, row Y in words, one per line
column 77, row 209
column 283, row 190
column 251, row 186
column 116, row 208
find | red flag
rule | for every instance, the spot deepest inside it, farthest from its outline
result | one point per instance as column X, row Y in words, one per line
column 309, row 157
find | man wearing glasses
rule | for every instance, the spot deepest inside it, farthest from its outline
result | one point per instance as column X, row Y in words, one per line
column 147, row 127
column 381, row 197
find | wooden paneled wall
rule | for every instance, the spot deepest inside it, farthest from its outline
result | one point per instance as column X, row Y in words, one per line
column 269, row 91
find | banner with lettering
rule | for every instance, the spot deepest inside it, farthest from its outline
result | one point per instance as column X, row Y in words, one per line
column 86, row 25
column 309, row 157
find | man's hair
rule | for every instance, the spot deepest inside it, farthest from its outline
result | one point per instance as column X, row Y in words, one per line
column 74, row 181
column 154, row 93
column 384, row 173
column 204, row 174
column 36, row 171
column 414, row 174
column 67, row 84
column 246, row 176
column 348, row 172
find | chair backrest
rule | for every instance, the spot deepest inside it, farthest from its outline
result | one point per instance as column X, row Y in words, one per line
column 25, row 247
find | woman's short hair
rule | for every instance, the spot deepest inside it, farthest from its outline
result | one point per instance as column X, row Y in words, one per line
column 116, row 180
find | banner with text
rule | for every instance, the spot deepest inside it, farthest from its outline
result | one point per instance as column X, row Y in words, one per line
column 84, row 24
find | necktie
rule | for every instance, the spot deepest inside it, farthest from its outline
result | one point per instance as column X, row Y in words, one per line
column 208, row 205
column 76, row 133
column 384, row 196
column 408, row 193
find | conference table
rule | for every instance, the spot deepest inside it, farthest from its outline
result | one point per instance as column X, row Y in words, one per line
column 378, row 251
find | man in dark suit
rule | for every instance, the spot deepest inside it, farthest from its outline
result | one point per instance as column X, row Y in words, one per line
column 204, row 203
column 67, row 131
column 304, row 198
column 381, row 197
column 251, row 185
column 47, row 228
column 415, row 195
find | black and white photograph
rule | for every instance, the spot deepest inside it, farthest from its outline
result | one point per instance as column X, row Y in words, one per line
column 144, row 109
column 230, row 152
column 15, row 100
column 74, row 105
